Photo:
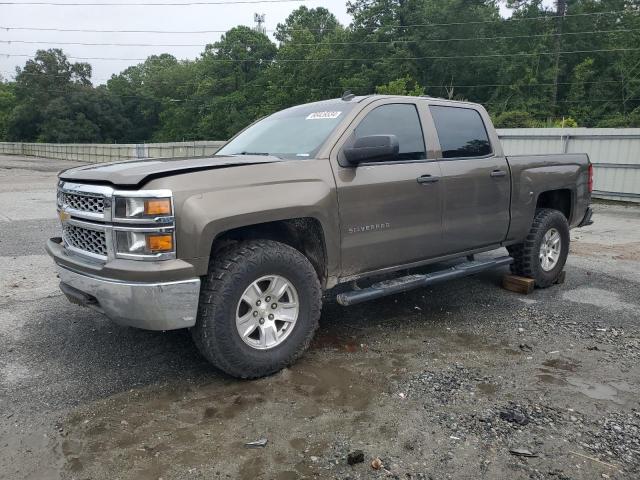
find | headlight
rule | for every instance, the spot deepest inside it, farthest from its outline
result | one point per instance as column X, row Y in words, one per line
column 144, row 225
column 129, row 242
column 142, row 208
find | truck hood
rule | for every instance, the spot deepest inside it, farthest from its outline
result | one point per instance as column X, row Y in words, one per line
column 134, row 173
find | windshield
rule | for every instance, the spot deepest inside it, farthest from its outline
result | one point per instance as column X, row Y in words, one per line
column 297, row 132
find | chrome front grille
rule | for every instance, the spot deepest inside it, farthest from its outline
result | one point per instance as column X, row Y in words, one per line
column 90, row 223
column 85, row 239
column 82, row 203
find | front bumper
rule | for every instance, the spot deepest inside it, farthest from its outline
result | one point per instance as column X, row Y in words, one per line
column 150, row 306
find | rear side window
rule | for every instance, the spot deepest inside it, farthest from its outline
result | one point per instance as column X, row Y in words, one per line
column 461, row 132
column 401, row 120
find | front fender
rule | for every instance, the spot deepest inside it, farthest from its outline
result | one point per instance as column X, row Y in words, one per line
column 210, row 203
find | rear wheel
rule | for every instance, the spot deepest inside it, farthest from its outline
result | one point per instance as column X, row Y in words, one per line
column 259, row 308
column 543, row 254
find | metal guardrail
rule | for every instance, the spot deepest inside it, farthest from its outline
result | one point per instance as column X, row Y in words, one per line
column 615, row 152
column 103, row 152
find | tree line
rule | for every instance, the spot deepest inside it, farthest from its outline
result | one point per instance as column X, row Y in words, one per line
column 577, row 64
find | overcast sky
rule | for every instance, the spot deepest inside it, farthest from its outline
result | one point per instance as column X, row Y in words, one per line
column 113, row 17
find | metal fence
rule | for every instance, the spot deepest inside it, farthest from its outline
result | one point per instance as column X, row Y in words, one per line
column 104, row 152
column 614, row 152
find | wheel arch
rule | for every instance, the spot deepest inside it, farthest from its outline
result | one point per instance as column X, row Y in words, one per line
column 561, row 199
column 305, row 234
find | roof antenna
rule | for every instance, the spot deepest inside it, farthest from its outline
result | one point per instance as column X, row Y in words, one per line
column 347, row 96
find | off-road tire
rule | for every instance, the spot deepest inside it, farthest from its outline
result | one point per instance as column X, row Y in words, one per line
column 231, row 271
column 526, row 255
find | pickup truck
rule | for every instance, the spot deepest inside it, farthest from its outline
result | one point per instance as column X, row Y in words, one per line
column 240, row 247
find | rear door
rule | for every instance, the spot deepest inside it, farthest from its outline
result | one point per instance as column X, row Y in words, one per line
column 390, row 212
column 476, row 182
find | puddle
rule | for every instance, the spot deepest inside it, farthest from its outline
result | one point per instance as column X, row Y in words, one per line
column 623, row 251
column 561, row 364
column 550, row 379
column 528, row 301
column 597, row 391
column 471, row 341
column 488, row 388
column 162, row 431
column 597, row 297
column 336, row 342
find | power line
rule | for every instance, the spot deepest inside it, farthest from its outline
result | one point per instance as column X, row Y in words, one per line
column 323, row 43
column 586, row 102
column 419, row 25
column 479, row 85
column 82, row 30
column 316, row 60
column 282, row 86
column 146, row 4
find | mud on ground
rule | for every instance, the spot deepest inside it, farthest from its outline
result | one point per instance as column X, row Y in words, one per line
column 462, row 380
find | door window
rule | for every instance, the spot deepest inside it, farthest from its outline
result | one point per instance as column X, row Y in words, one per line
column 461, row 132
column 401, row 120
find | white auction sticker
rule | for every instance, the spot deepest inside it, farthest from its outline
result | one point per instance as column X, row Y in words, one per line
column 323, row 115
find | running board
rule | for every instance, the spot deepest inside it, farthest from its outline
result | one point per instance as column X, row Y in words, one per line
column 402, row 284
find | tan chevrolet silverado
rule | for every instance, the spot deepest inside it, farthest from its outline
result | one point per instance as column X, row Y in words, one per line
column 240, row 247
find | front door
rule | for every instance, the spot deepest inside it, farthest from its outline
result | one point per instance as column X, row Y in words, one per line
column 390, row 212
column 476, row 182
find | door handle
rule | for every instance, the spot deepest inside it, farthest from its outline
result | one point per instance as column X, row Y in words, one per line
column 428, row 179
column 498, row 173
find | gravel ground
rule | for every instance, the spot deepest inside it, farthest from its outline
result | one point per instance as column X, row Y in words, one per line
column 461, row 380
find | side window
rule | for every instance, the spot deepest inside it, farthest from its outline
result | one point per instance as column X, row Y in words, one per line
column 401, row 120
column 461, row 132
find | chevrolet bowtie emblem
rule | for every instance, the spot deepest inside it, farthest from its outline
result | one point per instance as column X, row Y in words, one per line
column 64, row 215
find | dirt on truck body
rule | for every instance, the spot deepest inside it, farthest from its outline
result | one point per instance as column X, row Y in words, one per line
column 240, row 247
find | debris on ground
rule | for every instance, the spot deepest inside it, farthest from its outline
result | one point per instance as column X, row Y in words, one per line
column 376, row 463
column 261, row 443
column 522, row 452
column 514, row 416
column 357, row 456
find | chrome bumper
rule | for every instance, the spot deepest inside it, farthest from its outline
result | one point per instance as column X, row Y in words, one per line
column 150, row 306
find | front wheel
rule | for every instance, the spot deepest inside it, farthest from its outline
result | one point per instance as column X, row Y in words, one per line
column 259, row 308
column 543, row 254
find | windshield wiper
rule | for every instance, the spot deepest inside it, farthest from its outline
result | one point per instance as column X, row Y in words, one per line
column 264, row 154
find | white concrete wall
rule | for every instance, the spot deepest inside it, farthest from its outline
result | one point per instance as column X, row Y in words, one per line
column 614, row 152
column 103, row 152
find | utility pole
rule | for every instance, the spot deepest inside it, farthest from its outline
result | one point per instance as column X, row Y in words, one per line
column 561, row 10
column 259, row 19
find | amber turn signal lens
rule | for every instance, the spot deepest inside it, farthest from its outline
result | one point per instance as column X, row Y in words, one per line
column 161, row 206
column 160, row 243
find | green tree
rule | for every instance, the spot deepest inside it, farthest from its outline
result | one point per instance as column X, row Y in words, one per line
column 84, row 115
column 230, row 78
column 144, row 91
column 319, row 22
column 515, row 119
column 7, row 104
column 49, row 75
column 306, row 68
column 402, row 86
